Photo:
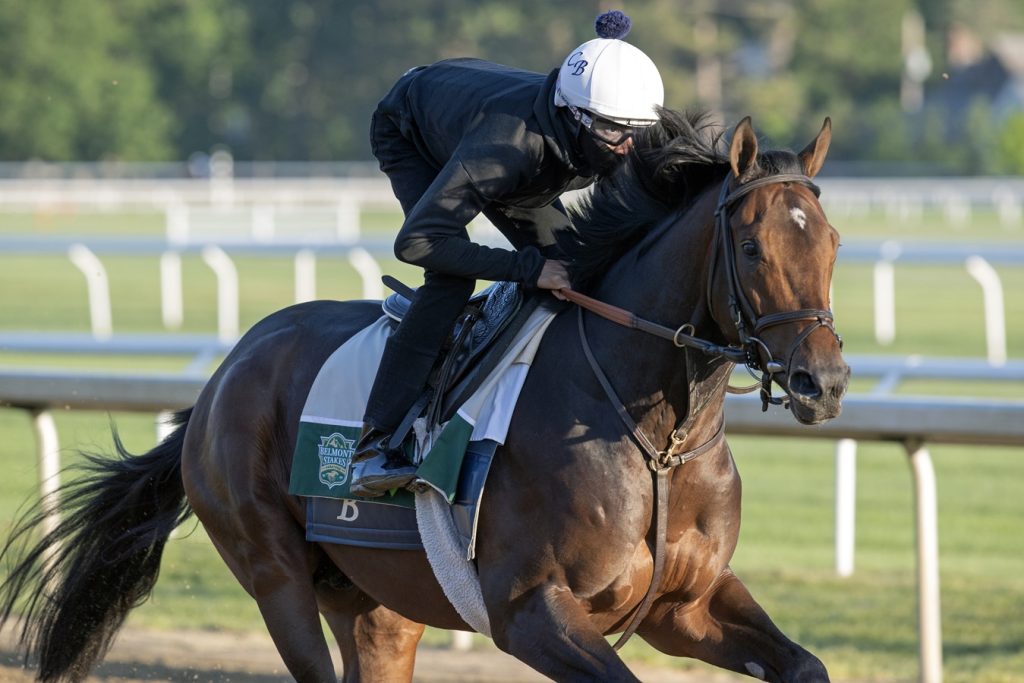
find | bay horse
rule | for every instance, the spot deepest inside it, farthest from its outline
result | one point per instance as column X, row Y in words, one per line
column 572, row 546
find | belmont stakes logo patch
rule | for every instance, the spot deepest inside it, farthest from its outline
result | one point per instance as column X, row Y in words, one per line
column 335, row 453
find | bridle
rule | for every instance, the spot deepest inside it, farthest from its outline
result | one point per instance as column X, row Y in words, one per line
column 746, row 321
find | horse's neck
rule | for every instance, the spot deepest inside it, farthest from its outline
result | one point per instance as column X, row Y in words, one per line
column 664, row 282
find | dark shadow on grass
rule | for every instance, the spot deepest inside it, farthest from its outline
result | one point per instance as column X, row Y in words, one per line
column 1003, row 649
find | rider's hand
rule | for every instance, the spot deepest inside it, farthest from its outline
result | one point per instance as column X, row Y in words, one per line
column 554, row 276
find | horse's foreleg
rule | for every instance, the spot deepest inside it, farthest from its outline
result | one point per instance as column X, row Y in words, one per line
column 547, row 629
column 726, row 627
column 376, row 643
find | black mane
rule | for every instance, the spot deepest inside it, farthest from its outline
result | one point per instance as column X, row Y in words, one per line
column 672, row 162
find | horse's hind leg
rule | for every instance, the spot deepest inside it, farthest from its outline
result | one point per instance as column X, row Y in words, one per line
column 726, row 627
column 247, row 518
column 376, row 643
column 277, row 571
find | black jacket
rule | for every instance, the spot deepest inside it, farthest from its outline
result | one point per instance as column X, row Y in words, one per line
column 500, row 147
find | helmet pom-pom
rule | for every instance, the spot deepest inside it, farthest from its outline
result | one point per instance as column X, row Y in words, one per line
column 613, row 24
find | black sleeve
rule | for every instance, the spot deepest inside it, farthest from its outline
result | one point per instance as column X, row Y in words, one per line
column 547, row 228
column 434, row 235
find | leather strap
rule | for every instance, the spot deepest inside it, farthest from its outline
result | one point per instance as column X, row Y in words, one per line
column 660, row 528
column 649, row 451
column 677, row 336
column 660, row 463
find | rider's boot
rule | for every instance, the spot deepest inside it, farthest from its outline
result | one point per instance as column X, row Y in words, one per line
column 405, row 366
column 376, row 467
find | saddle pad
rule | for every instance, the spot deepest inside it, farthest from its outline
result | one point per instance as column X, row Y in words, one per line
column 332, row 416
column 330, row 424
column 367, row 524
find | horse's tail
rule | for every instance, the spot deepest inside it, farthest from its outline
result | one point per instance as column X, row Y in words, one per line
column 75, row 586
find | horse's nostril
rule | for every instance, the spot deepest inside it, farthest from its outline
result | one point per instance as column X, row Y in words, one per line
column 801, row 382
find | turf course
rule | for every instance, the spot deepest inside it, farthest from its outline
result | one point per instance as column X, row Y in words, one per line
column 863, row 627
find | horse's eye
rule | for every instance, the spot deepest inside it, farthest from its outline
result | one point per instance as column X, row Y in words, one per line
column 750, row 248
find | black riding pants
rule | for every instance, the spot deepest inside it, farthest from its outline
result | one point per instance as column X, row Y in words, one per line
column 411, row 351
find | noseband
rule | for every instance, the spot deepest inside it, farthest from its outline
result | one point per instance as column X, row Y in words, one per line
column 747, row 323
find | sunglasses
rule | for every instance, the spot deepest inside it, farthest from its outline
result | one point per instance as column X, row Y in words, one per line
column 604, row 130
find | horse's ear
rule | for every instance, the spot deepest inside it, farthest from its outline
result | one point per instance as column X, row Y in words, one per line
column 743, row 149
column 813, row 156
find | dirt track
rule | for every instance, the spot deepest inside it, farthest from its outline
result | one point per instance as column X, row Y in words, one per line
column 215, row 657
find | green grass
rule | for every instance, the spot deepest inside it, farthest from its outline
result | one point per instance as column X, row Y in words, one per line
column 939, row 311
column 863, row 627
column 195, row 590
column 930, row 225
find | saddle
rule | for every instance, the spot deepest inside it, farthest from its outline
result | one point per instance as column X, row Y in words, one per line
column 481, row 334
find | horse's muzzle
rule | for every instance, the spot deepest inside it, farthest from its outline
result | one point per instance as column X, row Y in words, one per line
column 817, row 394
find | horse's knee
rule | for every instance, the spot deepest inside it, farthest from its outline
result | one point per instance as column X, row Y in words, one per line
column 547, row 628
column 514, row 626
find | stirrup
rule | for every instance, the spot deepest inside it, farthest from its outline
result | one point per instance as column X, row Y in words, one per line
column 379, row 474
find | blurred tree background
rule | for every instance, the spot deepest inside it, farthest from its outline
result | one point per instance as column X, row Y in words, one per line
column 929, row 85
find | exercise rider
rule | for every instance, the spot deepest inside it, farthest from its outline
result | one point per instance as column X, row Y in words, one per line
column 463, row 137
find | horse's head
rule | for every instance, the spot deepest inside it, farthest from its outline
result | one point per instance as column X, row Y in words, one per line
column 770, row 287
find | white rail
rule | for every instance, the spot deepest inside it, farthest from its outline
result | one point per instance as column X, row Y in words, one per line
column 361, row 256
column 957, row 198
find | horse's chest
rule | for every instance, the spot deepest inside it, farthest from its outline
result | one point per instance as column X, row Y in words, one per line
column 693, row 563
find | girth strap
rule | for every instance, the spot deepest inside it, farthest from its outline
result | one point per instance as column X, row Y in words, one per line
column 660, row 463
column 660, row 528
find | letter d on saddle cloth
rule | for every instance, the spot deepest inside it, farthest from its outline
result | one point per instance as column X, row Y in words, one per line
column 481, row 334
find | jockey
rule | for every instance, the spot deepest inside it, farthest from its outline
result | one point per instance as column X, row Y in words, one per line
column 463, row 137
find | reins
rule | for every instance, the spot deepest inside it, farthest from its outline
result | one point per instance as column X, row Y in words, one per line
column 748, row 326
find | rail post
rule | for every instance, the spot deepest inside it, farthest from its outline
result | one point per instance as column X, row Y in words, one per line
column 305, row 275
column 227, row 291
column 846, row 505
column 927, row 532
column 369, row 271
column 995, row 311
column 48, row 449
column 172, row 307
column 885, row 294
column 98, row 287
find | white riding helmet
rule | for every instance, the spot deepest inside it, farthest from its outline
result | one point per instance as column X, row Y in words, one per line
column 611, row 78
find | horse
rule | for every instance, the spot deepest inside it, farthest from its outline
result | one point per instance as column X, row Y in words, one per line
column 613, row 505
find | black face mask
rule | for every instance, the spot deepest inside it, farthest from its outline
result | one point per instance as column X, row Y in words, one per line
column 600, row 160
column 598, row 155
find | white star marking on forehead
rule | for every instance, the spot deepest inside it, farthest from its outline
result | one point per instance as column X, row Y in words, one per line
column 799, row 217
